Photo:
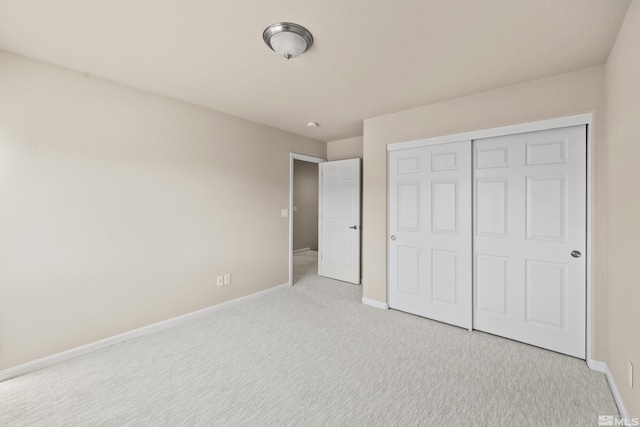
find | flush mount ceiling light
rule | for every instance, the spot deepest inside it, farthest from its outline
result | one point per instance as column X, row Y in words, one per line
column 287, row 39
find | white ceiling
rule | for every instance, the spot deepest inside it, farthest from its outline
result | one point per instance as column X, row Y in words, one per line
column 369, row 58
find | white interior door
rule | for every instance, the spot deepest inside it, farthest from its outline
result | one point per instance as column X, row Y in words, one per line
column 430, row 246
column 340, row 220
column 530, row 238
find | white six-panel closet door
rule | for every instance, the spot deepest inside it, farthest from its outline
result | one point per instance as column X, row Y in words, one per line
column 530, row 238
column 430, row 218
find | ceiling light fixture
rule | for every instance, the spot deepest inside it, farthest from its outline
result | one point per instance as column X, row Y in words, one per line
column 312, row 125
column 287, row 39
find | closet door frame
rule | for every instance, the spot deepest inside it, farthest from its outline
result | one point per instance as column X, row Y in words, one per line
column 560, row 122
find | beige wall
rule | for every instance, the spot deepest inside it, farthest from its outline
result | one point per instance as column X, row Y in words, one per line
column 120, row 208
column 305, row 199
column 562, row 95
column 623, row 208
column 350, row 148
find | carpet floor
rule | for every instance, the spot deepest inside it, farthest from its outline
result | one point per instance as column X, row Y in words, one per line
column 311, row 355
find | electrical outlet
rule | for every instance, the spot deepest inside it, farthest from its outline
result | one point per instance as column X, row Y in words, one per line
column 630, row 374
column 227, row 279
column 220, row 281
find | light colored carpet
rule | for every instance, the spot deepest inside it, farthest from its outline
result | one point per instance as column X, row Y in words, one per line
column 311, row 355
column 305, row 265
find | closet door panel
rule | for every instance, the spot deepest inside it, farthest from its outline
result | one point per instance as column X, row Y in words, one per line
column 430, row 232
column 530, row 212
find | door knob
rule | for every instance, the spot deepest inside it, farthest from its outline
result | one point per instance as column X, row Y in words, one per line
column 576, row 254
column 355, row 227
column 393, row 237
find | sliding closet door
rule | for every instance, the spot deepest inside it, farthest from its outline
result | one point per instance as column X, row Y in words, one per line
column 430, row 255
column 530, row 238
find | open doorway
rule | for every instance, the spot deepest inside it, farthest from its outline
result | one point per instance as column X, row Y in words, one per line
column 305, row 219
column 304, row 208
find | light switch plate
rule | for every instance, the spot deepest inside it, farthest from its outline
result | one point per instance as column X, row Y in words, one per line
column 227, row 279
column 285, row 213
column 220, row 281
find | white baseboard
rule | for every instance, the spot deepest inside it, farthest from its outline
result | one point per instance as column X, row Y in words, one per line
column 604, row 368
column 374, row 303
column 301, row 250
column 616, row 393
column 597, row 366
column 37, row 364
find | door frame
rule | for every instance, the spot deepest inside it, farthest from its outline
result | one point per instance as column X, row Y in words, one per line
column 311, row 159
column 560, row 122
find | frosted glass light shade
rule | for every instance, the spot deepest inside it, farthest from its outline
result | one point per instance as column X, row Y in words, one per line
column 287, row 39
column 288, row 45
